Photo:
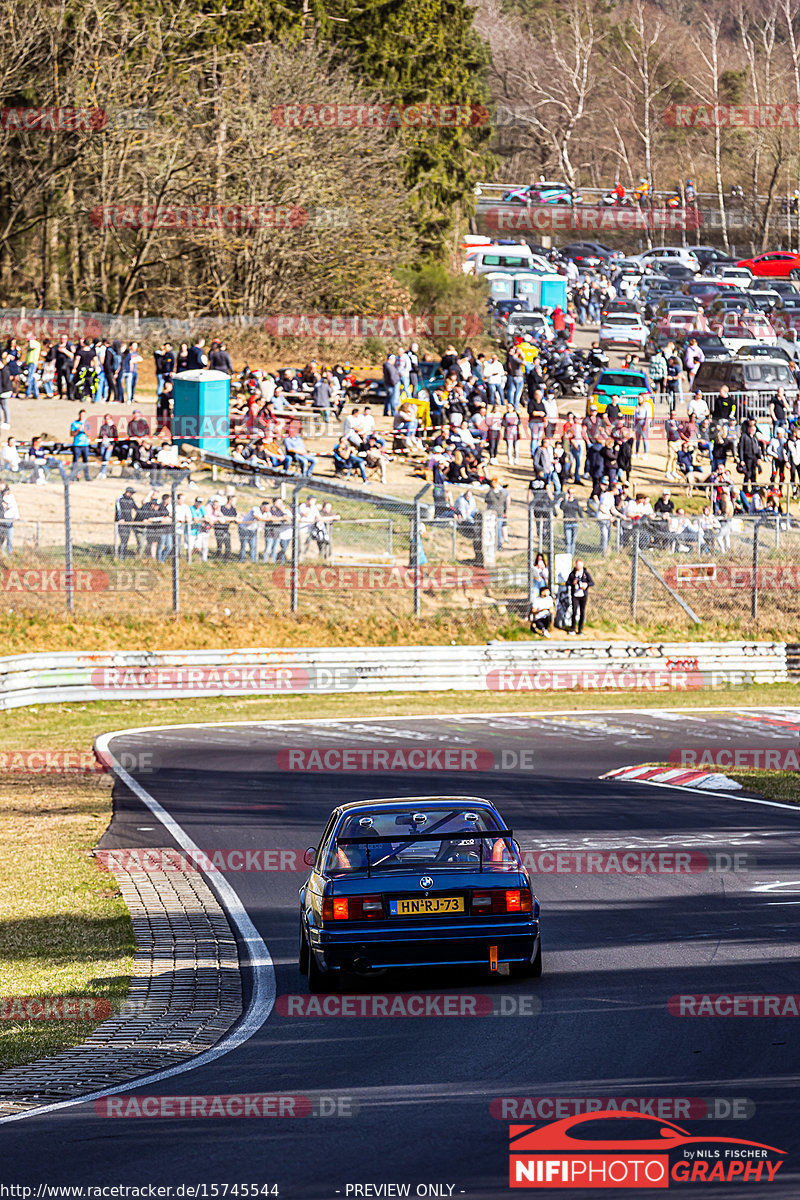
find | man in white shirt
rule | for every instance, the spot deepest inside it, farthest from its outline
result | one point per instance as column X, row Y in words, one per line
column 495, row 379
column 182, row 517
column 367, row 423
column 9, row 456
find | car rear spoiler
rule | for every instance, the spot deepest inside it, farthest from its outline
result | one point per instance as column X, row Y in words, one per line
column 466, row 835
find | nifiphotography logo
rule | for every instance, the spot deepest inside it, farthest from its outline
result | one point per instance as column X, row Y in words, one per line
column 613, row 1149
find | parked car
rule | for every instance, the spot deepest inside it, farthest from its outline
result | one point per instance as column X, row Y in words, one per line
column 521, row 323
column 665, row 255
column 765, row 299
column 623, row 329
column 759, row 377
column 780, row 264
column 624, row 383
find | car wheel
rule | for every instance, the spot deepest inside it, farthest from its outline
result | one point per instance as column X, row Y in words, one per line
column 532, row 969
column 303, row 955
column 319, row 981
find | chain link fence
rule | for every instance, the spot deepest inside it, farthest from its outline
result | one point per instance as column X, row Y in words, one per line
column 234, row 544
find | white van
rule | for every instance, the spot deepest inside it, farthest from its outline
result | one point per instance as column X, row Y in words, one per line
column 503, row 258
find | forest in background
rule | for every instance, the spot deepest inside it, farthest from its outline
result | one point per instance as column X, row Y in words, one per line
column 189, row 89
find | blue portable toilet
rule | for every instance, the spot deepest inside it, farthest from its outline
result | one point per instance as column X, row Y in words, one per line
column 554, row 292
column 201, row 403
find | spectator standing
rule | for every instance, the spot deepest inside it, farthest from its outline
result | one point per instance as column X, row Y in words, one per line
column 6, row 388
column 219, row 359
column 749, row 452
column 579, row 581
column 196, row 357
column 494, row 377
column 125, row 514
column 657, row 370
column 641, row 422
column 31, row 365
column 130, row 371
column 672, row 430
column 165, row 367
column 511, row 434
column 515, row 377
column 673, row 380
column 199, row 528
column 80, row 447
column 571, row 510
column 496, row 501
column 391, row 381
column 9, row 513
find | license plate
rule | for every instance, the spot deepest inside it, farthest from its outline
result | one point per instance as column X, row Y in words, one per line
column 435, row 906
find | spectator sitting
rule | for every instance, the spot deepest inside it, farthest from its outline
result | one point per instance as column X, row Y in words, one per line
column 465, row 508
column 295, row 450
column 543, row 611
column 10, row 456
column 345, row 459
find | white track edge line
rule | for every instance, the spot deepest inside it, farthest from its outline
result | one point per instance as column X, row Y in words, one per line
column 263, row 993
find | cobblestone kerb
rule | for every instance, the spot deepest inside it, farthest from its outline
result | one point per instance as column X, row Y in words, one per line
column 185, row 994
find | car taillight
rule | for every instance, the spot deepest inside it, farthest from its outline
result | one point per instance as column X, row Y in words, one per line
column 519, row 900
column 352, row 908
column 501, row 900
column 335, row 910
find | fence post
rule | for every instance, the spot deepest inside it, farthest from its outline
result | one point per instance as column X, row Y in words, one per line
column 754, row 589
column 634, row 570
column 551, row 550
column 531, row 556
column 414, row 557
column 70, row 582
column 176, row 552
column 295, row 546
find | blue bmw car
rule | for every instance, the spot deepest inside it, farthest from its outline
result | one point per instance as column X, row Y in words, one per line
column 426, row 881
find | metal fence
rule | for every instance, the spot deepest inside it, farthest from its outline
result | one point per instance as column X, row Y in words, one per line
column 342, row 553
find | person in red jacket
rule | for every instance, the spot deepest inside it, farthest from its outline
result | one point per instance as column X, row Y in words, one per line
column 559, row 319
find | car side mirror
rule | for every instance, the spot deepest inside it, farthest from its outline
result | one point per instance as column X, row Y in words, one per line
column 309, row 856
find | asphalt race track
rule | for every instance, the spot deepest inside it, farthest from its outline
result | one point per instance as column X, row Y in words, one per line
column 616, row 947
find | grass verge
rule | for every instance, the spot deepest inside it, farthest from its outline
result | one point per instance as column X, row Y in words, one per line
column 64, row 929
column 772, row 785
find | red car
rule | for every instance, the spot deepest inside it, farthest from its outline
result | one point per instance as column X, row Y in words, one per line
column 778, row 264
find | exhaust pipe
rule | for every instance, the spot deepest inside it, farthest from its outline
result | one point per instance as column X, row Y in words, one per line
column 361, row 966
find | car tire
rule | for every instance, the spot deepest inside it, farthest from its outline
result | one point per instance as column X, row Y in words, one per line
column 532, row 969
column 319, row 981
column 303, row 954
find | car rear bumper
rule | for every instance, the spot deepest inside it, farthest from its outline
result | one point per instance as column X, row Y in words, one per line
column 412, row 947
